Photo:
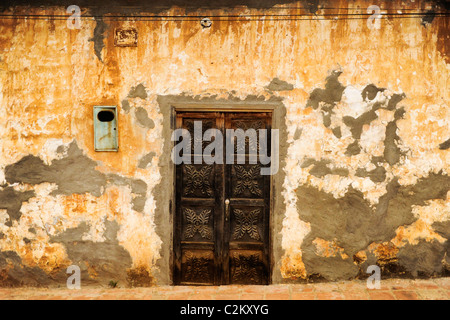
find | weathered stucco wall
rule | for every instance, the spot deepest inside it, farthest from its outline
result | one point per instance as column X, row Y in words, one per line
column 365, row 126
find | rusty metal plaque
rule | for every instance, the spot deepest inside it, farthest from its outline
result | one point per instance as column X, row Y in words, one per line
column 125, row 37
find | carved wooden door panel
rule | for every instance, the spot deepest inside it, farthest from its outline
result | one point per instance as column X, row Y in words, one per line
column 246, row 238
column 221, row 224
column 198, row 209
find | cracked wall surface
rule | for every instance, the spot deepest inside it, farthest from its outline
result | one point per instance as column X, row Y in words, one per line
column 365, row 125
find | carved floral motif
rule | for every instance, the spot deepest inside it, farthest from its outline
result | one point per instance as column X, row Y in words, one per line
column 247, row 179
column 245, row 268
column 197, row 267
column 198, row 180
column 246, row 222
column 197, row 222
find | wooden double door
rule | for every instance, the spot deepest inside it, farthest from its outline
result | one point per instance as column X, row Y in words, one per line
column 222, row 210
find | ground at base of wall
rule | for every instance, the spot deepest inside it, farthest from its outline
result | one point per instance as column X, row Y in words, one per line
column 390, row 289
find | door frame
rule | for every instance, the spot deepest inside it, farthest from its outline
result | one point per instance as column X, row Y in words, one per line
column 276, row 112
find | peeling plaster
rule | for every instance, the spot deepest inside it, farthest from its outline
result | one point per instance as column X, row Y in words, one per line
column 372, row 135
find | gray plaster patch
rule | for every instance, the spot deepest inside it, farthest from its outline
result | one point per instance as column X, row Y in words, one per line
column 99, row 36
column 327, row 98
column 13, row 273
column 442, row 228
column 74, row 173
column 146, row 160
column 138, row 92
column 376, row 175
column 330, row 95
column 353, row 149
column 61, row 149
column 126, row 106
column 279, row 85
column 391, row 192
column 370, row 92
column 394, row 100
column 423, row 259
column 138, row 187
column 354, row 224
column 143, row 119
column 139, row 203
column 11, row 200
column 109, row 260
column 326, row 118
column 310, row 161
column 391, row 150
column 298, row 133
column 445, row 145
column 321, row 169
column 337, row 132
column 428, row 18
column 377, row 160
column 356, row 124
column 329, row 268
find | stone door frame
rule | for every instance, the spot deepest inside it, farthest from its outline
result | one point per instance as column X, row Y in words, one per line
column 164, row 193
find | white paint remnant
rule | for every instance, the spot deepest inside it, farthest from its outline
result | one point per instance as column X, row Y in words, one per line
column 372, row 138
column 352, row 102
column 2, row 175
column 49, row 150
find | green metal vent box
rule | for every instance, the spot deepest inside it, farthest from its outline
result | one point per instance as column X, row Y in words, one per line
column 106, row 135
